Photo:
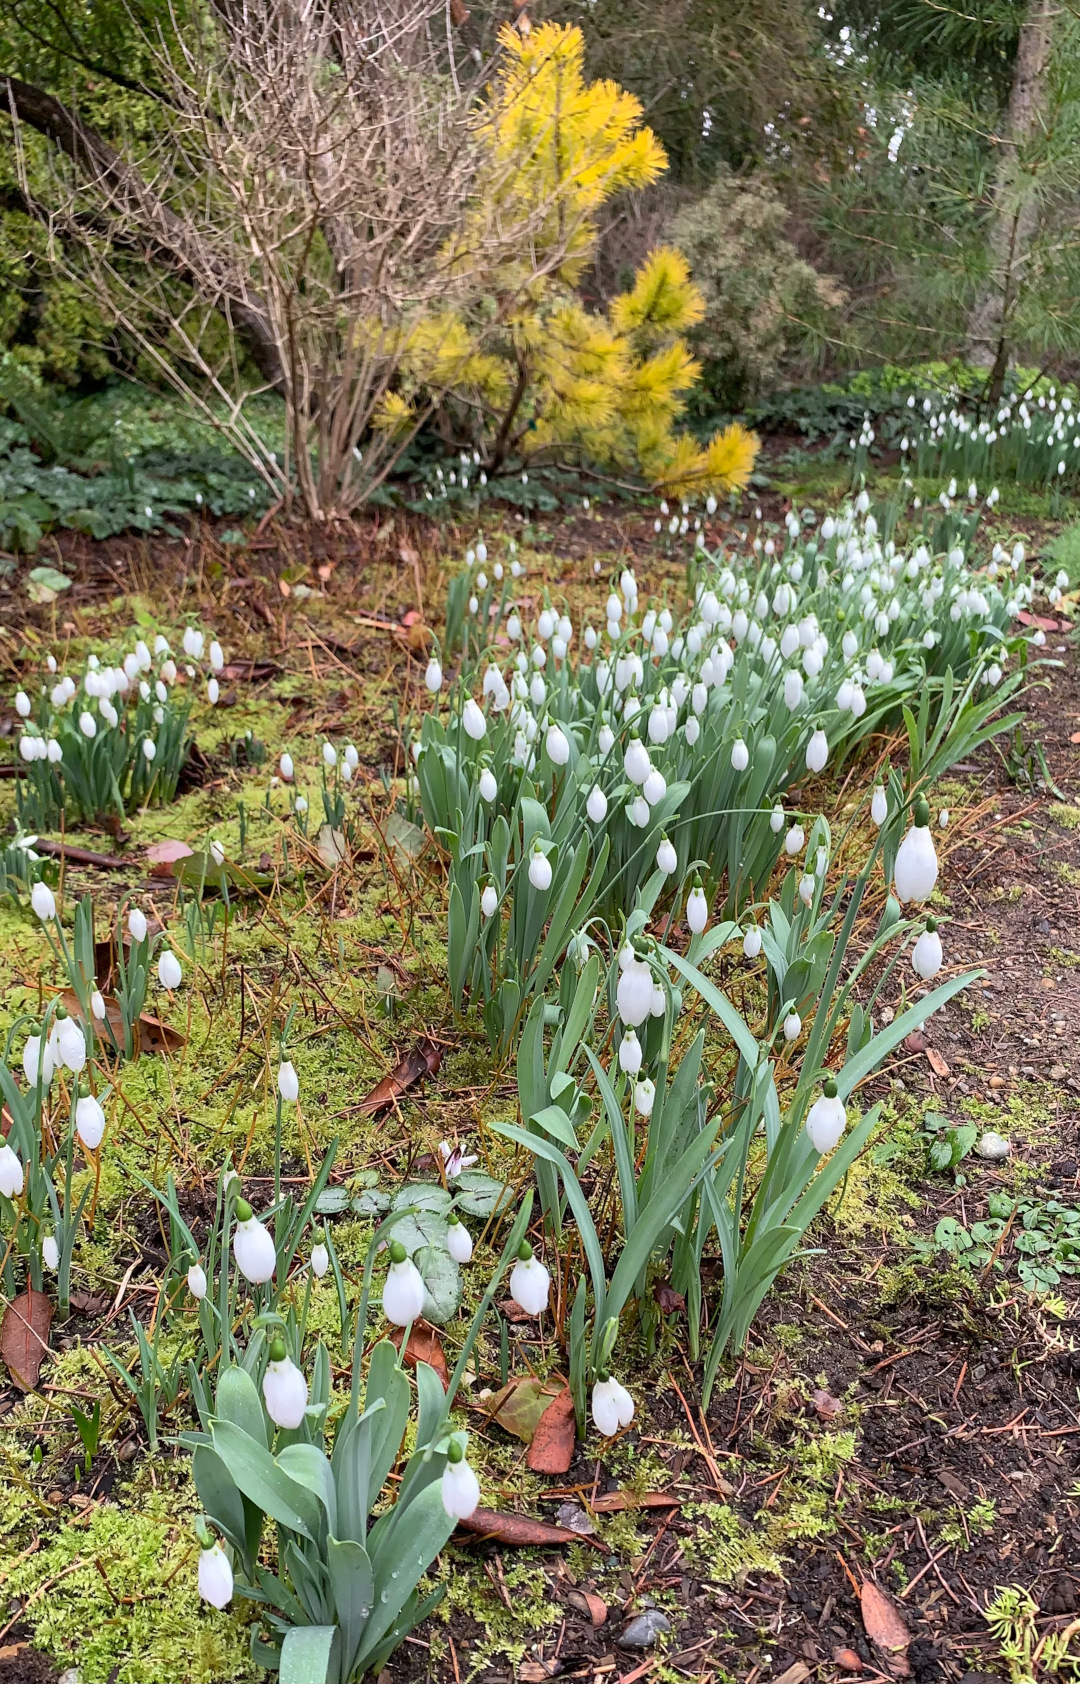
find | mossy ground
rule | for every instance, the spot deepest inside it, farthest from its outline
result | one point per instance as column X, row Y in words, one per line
column 796, row 1466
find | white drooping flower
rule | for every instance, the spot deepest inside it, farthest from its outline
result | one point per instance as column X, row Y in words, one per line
column 630, row 1053
column 288, row 1082
column 916, row 868
column 489, row 900
column 89, row 1121
column 11, row 1172
column 817, row 752
column 196, row 1280
column 751, row 944
column 740, row 755
column 460, row 1486
column 926, row 955
column 50, row 1252
column 697, row 909
column 215, row 1577
column 137, row 924
column 36, row 1058
column 557, row 745
column 667, row 859
column 253, row 1246
column 458, row 1239
column 612, row 1406
column 286, row 768
column 43, row 901
column 826, row 1119
column 636, row 762
column 403, row 1291
column 529, row 1282
column 794, row 840
column 433, row 676
column 70, row 1044
column 169, row 970
column 596, row 805
column 489, row 787
column 473, row 720
column 776, row 819
column 792, row 1026
column 644, row 1096
column 285, row 1391
column 634, row 993
column 539, row 869
column 879, row 805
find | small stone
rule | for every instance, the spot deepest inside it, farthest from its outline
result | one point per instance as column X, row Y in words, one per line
column 1058, row 1072
column 993, row 1147
column 643, row 1632
column 573, row 1516
column 71, row 1676
column 997, row 1081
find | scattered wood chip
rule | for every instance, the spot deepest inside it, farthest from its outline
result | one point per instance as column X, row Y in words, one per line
column 552, row 1447
column 422, row 1060
column 826, row 1407
column 537, row 1672
column 610, row 1502
column 80, row 856
column 886, row 1629
column 797, row 1673
column 24, row 1337
column 522, row 1532
column 587, row 1602
column 424, row 1346
column 936, row 1062
column 252, row 671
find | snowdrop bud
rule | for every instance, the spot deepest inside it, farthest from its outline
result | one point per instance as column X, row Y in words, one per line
column 752, row 942
column 196, row 1280
column 926, row 955
column 89, row 1122
column 697, row 909
column 43, row 901
column 213, row 691
column 605, row 742
column 473, row 720
column 879, row 805
column 630, row 1051
column 11, row 1173
column 596, row 805
column 285, row 1391
column 792, row 1026
column 539, row 869
column 557, row 746
column 403, row 1292
column 22, row 704
column 666, row 858
column 288, row 1082
column 460, row 1486
column 612, row 1406
column 740, row 755
column 644, row 1097
column 807, row 884
column 943, row 819
column 793, row 689
column 34, row 1057
column 826, row 1119
column 654, row 788
column 489, row 900
column 529, row 1282
column 170, row 973
column 253, row 1246
column 320, row 1256
column 215, row 1577
column 693, row 731
column 634, row 993
column 636, row 763
column 794, row 840
column 458, row 1239
column 817, row 752
column 50, row 1252
column 916, row 868
column 217, row 659
column 137, row 924
column 776, row 820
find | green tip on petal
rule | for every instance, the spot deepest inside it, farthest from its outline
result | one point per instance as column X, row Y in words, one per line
column 278, row 1352
column 61, row 1014
column 202, row 1534
column 398, row 1253
column 922, row 812
column 243, row 1211
column 602, row 1376
column 829, row 1090
column 452, row 1219
column 931, row 926
column 318, row 1236
column 525, row 1251
column 454, row 1452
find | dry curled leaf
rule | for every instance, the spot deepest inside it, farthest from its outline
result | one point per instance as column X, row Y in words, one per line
column 552, row 1447
column 521, row 1531
column 826, row 1407
column 163, row 855
column 886, row 1629
column 587, row 1602
column 24, row 1337
column 422, row 1060
column 610, row 1502
column 424, row 1346
column 667, row 1299
column 519, row 1406
column 152, row 1036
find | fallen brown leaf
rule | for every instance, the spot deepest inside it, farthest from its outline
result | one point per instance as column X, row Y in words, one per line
column 24, row 1337
column 587, row 1602
column 668, row 1300
column 915, row 1042
column 847, row 1660
column 552, row 1447
column 422, row 1060
column 250, row 670
column 936, row 1062
column 610, row 1502
column 521, row 1531
column 825, row 1405
column 424, row 1346
column 519, row 1406
column 162, row 856
column 153, row 1036
column 885, row 1628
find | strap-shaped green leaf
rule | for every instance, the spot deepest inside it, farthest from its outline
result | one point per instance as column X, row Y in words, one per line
column 259, row 1477
column 237, row 1400
column 309, row 1655
column 310, row 1468
column 353, row 1583
column 412, row 1544
column 719, row 1003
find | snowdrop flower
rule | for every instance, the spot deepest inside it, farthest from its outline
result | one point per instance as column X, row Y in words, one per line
column 50, row 1252
column 11, row 1173
column 557, row 746
column 193, row 643
column 776, row 819
column 926, row 955
column 879, row 806
column 943, row 819
column 666, row 858
column 605, row 741
column 97, row 1005
column 196, row 1280
column 285, row 1391
column 433, row 676
column 826, row 1119
column 217, row 851
column 489, row 900
column 697, row 908
column 794, row 840
column 213, row 691
column 403, row 1293
column 460, row 1486
column 288, row 1082
column 740, row 755
column 137, row 924
column 88, row 725
column 793, row 689
column 320, row 1256
column 215, row 1577
column 43, row 901
column 654, row 788
column 644, row 1097
column 70, row 1044
column 170, row 973
column 539, row 869
column 634, row 993
column 596, row 805
column 35, row 1058
column 489, row 788
column 22, row 704
column 807, row 885
column 612, row 1406
column 916, row 868
column 630, row 1051
column 792, row 1026
column 89, row 1121
column 217, row 659
column 817, row 752
column 636, row 762
column 529, row 1282
column 253, row 1246
column 473, row 721
column 149, row 748
column 751, row 945
column 458, row 1239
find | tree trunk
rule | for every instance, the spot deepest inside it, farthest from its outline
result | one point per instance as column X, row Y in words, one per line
column 1015, row 207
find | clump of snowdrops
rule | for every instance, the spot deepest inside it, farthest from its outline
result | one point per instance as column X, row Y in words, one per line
column 594, row 758
column 1030, row 437
column 115, row 736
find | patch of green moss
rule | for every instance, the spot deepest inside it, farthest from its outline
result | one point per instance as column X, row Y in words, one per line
column 509, row 1613
column 1066, row 816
